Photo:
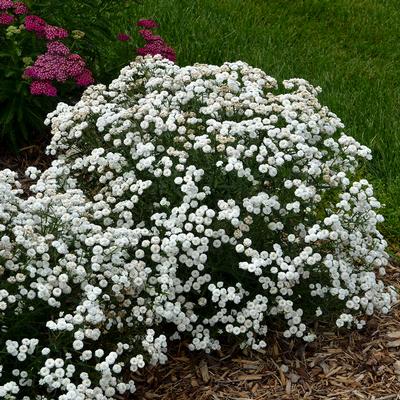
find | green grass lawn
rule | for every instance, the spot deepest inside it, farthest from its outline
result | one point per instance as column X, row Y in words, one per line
column 351, row 48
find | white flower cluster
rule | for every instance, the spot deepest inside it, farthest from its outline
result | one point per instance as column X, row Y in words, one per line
column 196, row 202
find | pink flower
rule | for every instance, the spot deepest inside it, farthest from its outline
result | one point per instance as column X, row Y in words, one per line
column 56, row 67
column 147, row 34
column 20, row 8
column 34, row 23
column 157, row 48
column 48, row 67
column 5, row 4
column 58, row 64
column 54, row 32
column 74, row 65
column 169, row 53
column 57, row 48
column 147, row 23
column 123, row 37
column 154, row 43
column 6, row 19
column 85, row 78
column 150, row 49
column 43, row 88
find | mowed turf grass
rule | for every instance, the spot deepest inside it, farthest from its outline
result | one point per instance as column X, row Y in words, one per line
column 351, row 48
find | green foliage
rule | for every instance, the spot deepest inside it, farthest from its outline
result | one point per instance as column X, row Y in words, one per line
column 100, row 21
column 20, row 112
column 97, row 24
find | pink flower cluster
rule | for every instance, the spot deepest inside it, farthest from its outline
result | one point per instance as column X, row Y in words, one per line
column 147, row 23
column 57, row 64
column 33, row 23
column 20, row 8
column 154, row 44
column 17, row 8
column 6, row 19
column 123, row 37
column 6, row 4
column 54, row 32
column 43, row 88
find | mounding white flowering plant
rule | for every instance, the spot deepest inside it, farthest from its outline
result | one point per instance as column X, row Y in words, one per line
column 199, row 201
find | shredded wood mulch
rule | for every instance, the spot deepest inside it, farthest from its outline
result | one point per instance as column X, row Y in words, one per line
column 338, row 366
column 32, row 155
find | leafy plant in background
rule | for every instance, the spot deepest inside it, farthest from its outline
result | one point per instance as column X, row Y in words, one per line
column 34, row 62
column 24, row 37
column 100, row 22
column 18, row 110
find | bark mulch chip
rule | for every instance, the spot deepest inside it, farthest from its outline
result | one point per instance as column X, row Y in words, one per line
column 338, row 366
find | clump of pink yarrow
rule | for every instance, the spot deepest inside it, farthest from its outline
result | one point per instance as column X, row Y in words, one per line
column 33, row 23
column 57, row 64
column 155, row 44
column 6, row 19
column 20, row 8
column 123, row 37
column 44, row 88
column 147, row 23
column 54, row 32
column 6, row 4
